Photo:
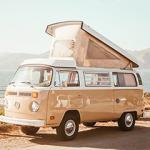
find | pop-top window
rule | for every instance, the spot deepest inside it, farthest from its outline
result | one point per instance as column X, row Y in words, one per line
column 67, row 79
column 97, row 79
column 124, row 80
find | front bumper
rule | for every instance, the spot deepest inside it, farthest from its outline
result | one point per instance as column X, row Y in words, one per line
column 25, row 122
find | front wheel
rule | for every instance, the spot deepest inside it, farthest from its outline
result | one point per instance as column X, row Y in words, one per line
column 126, row 121
column 68, row 128
column 28, row 130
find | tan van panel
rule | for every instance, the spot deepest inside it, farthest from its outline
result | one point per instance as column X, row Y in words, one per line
column 127, row 100
column 96, row 104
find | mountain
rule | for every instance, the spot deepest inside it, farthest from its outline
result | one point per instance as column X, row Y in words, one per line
column 10, row 61
column 143, row 57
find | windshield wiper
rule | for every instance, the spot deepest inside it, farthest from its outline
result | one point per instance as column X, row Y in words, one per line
column 13, row 83
column 29, row 83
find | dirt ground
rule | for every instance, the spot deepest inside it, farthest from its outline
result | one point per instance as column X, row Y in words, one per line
column 102, row 136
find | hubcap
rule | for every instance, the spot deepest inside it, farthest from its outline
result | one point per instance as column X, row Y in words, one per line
column 70, row 127
column 128, row 120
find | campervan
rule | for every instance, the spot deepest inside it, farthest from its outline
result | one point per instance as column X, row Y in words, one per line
column 57, row 93
column 92, row 80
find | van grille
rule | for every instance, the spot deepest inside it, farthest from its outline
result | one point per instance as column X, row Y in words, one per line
column 24, row 94
column 11, row 93
column 19, row 93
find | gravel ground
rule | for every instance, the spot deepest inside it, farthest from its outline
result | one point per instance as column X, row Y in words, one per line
column 102, row 136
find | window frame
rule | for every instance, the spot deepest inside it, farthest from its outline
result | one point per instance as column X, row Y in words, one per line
column 100, row 86
column 125, row 85
column 139, row 79
column 66, row 70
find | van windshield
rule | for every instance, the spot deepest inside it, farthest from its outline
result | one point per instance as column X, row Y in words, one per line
column 38, row 76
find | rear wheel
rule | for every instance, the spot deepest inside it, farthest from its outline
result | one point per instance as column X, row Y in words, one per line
column 127, row 121
column 89, row 124
column 29, row 130
column 68, row 128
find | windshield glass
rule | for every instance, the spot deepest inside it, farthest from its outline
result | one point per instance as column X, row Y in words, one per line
column 33, row 76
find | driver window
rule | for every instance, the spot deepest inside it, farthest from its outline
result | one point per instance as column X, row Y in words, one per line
column 35, row 77
column 41, row 76
column 67, row 79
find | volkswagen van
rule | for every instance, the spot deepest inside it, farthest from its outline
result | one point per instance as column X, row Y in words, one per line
column 56, row 93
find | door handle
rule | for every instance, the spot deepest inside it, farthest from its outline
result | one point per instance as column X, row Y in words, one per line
column 118, row 100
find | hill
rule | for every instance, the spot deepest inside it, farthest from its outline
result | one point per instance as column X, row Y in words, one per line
column 10, row 61
column 143, row 58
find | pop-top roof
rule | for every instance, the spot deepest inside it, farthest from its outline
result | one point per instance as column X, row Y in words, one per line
column 50, row 29
column 53, row 61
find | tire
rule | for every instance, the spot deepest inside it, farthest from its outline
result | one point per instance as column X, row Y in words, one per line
column 28, row 130
column 89, row 124
column 127, row 121
column 71, row 122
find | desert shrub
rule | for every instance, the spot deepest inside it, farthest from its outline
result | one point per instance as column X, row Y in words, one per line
column 147, row 100
column 1, row 110
column 147, row 95
column 5, row 128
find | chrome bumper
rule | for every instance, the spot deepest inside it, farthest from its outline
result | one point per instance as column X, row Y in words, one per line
column 25, row 122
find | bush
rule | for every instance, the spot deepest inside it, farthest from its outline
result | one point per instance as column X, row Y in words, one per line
column 1, row 110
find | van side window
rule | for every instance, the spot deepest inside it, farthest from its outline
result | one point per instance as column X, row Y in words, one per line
column 97, row 79
column 139, row 79
column 124, row 80
column 67, row 79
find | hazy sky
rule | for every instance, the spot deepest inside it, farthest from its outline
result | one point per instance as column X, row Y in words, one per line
column 23, row 22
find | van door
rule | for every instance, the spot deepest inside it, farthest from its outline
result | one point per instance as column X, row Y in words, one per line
column 98, row 95
column 127, row 95
column 66, row 93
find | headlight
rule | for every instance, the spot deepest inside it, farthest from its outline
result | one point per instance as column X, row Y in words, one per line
column 35, row 106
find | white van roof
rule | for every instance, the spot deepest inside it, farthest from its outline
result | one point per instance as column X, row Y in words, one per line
column 68, row 62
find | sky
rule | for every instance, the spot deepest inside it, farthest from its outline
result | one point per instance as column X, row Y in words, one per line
column 23, row 22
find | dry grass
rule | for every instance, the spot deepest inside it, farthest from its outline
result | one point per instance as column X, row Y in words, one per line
column 147, row 100
column 7, row 128
column 1, row 110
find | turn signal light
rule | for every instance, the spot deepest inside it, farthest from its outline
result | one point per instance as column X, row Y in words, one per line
column 34, row 94
column 52, row 117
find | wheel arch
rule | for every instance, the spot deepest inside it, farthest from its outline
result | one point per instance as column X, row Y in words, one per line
column 74, row 113
column 133, row 112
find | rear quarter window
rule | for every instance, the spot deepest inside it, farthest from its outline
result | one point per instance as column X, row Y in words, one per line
column 124, row 80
